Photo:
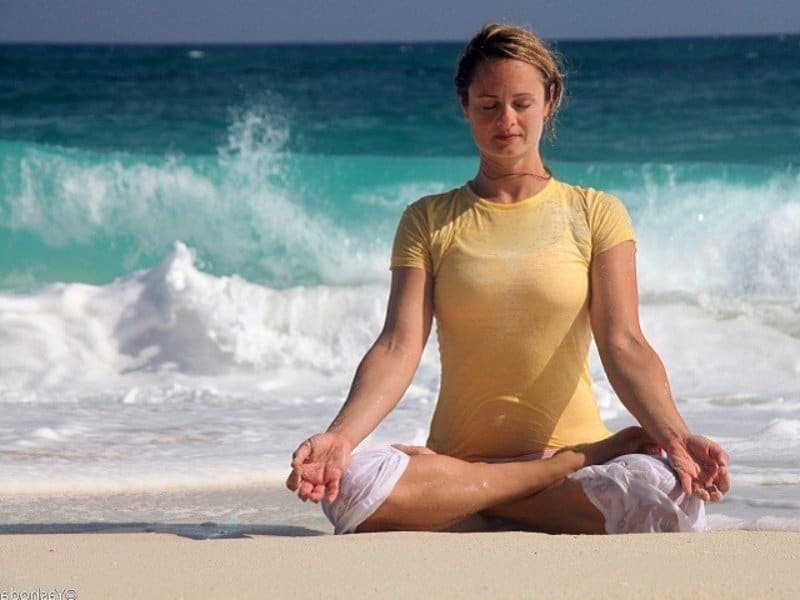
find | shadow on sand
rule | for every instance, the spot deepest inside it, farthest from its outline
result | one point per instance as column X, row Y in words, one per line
column 195, row 531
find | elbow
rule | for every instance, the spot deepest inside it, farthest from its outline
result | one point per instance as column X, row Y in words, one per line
column 624, row 346
column 400, row 347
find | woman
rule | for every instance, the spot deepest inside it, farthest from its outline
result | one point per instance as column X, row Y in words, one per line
column 519, row 270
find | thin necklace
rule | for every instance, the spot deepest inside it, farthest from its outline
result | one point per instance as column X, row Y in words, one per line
column 507, row 175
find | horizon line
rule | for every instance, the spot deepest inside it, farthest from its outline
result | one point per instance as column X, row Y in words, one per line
column 398, row 42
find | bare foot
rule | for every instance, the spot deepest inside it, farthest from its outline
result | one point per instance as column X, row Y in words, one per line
column 413, row 450
column 631, row 440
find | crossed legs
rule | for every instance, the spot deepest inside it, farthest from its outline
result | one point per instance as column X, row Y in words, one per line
column 636, row 493
column 437, row 492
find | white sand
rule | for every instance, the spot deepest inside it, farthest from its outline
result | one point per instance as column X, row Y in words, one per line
column 268, row 555
column 409, row 565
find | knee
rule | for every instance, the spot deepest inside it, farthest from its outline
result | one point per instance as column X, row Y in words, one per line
column 641, row 494
column 365, row 487
column 655, row 473
column 662, row 506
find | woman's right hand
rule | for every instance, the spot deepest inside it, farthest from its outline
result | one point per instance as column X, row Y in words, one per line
column 380, row 381
column 318, row 465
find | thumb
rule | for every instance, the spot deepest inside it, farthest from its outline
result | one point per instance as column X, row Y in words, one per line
column 686, row 483
column 686, row 478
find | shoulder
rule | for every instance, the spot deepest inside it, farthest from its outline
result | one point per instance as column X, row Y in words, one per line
column 600, row 209
column 587, row 197
column 599, row 219
column 437, row 209
column 436, row 202
column 428, row 226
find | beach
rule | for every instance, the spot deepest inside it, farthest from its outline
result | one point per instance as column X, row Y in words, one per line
column 295, row 555
column 193, row 262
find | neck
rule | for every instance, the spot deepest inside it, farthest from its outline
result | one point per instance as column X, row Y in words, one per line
column 510, row 183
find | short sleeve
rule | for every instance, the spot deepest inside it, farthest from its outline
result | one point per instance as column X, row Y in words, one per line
column 412, row 246
column 609, row 222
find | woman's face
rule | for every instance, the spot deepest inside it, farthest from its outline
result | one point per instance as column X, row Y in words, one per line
column 506, row 109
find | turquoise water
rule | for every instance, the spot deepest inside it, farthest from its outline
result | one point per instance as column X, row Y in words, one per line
column 289, row 165
column 234, row 207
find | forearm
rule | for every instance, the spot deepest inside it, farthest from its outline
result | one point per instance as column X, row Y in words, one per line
column 380, row 381
column 637, row 375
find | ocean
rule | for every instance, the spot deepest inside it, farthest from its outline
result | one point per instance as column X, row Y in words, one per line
column 194, row 247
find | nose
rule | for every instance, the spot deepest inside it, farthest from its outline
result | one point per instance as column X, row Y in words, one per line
column 506, row 116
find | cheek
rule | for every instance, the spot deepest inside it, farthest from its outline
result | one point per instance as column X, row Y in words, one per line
column 477, row 130
column 478, row 123
column 535, row 121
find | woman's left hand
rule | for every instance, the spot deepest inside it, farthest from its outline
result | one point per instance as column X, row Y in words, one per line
column 702, row 466
column 637, row 375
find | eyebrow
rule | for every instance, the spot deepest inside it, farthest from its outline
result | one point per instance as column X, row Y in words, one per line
column 517, row 95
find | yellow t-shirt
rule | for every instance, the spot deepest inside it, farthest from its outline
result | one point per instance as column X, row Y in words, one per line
column 511, row 291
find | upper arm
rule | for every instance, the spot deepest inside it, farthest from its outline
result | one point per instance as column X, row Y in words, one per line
column 614, row 301
column 409, row 313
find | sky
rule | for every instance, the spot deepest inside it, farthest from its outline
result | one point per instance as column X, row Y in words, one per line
column 273, row 21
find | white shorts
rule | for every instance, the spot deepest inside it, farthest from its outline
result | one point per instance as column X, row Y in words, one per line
column 636, row 493
column 365, row 485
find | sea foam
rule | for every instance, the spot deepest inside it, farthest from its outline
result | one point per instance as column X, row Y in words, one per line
column 287, row 219
column 174, row 378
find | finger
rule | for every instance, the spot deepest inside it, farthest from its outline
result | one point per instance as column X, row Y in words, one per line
column 719, row 455
column 302, row 453
column 709, row 474
column 294, row 479
column 333, row 490
column 332, row 478
column 305, row 490
column 723, row 481
column 318, row 493
column 702, row 493
column 687, row 482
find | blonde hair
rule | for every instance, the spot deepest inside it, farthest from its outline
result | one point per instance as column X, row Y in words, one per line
column 497, row 41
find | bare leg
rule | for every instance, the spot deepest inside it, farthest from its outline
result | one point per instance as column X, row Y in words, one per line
column 561, row 508
column 438, row 491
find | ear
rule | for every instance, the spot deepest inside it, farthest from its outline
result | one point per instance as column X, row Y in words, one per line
column 463, row 109
column 548, row 107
